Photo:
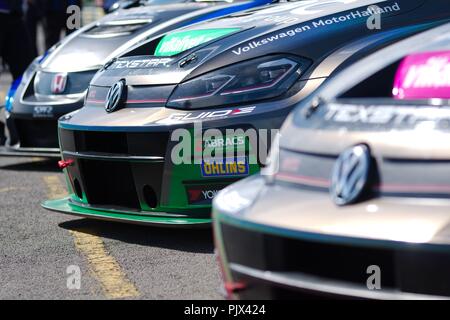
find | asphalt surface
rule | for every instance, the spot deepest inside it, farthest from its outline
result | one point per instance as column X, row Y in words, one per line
column 116, row 260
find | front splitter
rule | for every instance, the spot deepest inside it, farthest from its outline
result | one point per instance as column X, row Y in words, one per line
column 66, row 207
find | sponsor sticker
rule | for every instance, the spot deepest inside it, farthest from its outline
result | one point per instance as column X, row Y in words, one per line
column 314, row 9
column 423, row 76
column 43, row 112
column 202, row 194
column 226, row 167
column 208, row 115
column 177, row 42
column 368, row 117
column 141, row 63
column 225, row 142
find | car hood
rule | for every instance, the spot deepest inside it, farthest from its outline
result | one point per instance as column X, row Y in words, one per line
column 314, row 215
column 306, row 28
column 94, row 44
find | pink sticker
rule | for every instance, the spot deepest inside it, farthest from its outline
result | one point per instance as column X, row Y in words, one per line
column 423, row 76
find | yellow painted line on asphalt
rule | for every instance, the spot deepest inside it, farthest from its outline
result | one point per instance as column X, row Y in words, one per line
column 9, row 189
column 103, row 266
column 55, row 187
column 2, row 95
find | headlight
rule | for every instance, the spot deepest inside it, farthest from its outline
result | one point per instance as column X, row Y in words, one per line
column 239, row 196
column 25, row 78
column 258, row 79
column 29, row 72
column 9, row 100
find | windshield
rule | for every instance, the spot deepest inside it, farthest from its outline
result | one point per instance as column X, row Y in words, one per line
column 156, row 2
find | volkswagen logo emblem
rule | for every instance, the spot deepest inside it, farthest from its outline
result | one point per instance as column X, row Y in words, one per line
column 116, row 96
column 350, row 175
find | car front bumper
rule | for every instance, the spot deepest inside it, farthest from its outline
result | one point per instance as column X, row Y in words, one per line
column 124, row 159
column 32, row 129
column 66, row 206
column 309, row 248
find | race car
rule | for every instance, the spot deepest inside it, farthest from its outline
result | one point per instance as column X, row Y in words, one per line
column 56, row 83
column 357, row 199
column 175, row 120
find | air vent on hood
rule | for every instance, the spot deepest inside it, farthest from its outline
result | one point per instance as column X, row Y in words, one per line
column 113, row 30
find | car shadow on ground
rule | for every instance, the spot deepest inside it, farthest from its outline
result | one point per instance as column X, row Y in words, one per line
column 27, row 165
column 188, row 240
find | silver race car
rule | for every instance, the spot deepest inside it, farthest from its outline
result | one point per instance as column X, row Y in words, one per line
column 356, row 201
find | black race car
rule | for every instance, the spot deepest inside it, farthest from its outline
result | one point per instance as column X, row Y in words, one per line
column 174, row 120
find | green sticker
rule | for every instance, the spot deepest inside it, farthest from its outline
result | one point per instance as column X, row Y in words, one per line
column 177, row 42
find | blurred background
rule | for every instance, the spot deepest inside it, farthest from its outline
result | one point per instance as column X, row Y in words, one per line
column 44, row 24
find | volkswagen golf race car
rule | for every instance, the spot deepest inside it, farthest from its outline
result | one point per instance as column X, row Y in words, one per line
column 357, row 202
column 173, row 121
column 56, row 84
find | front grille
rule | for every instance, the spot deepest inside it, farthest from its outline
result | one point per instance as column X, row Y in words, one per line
column 329, row 261
column 120, row 143
column 134, row 185
column 344, row 263
column 410, row 269
column 77, row 82
column 103, row 142
column 109, row 184
column 37, row 133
